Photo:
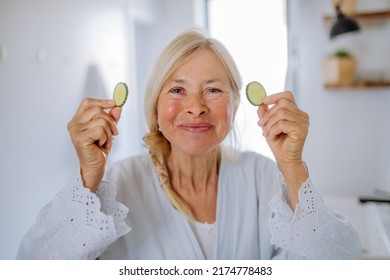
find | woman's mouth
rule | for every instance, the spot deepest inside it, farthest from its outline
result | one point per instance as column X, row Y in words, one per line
column 196, row 127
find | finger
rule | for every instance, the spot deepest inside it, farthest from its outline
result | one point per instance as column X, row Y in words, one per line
column 96, row 137
column 89, row 108
column 108, row 118
column 282, row 104
column 261, row 110
column 94, row 114
column 89, row 103
column 281, row 128
column 85, row 137
column 261, row 113
column 90, row 114
column 102, row 134
column 300, row 121
column 274, row 98
column 280, row 115
column 99, row 130
column 115, row 113
column 294, row 130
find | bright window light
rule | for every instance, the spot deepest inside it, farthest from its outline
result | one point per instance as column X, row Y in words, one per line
column 255, row 33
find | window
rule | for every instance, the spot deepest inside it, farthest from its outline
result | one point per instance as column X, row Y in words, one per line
column 255, row 33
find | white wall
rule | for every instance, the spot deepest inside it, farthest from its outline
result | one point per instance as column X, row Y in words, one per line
column 53, row 54
column 348, row 150
column 57, row 53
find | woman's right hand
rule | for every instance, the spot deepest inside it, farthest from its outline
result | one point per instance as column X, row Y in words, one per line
column 92, row 129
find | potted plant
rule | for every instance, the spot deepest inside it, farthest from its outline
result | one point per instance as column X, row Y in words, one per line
column 339, row 68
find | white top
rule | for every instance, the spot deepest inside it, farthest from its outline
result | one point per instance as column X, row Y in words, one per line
column 131, row 218
column 206, row 234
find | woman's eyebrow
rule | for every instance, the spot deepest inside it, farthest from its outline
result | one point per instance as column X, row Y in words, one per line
column 184, row 81
column 178, row 81
column 213, row 81
column 174, row 82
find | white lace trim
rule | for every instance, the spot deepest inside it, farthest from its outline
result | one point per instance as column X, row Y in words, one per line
column 107, row 194
column 311, row 225
column 79, row 224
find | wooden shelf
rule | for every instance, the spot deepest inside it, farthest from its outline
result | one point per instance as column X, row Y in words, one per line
column 362, row 85
column 377, row 15
column 373, row 17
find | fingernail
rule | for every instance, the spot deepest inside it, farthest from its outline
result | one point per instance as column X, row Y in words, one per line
column 261, row 122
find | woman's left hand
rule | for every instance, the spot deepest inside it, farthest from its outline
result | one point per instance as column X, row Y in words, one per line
column 285, row 127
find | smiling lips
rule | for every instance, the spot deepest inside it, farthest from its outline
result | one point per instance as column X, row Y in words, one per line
column 196, row 127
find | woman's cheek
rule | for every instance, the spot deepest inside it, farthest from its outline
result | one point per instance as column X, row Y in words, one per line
column 172, row 109
column 224, row 113
column 167, row 112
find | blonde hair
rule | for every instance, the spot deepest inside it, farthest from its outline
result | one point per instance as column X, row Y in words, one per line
column 173, row 56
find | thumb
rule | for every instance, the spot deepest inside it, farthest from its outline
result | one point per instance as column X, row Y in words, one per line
column 115, row 113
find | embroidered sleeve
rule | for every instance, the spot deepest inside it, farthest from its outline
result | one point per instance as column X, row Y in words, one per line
column 312, row 231
column 76, row 224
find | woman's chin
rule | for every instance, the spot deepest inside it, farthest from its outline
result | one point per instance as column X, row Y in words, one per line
column 196, row 150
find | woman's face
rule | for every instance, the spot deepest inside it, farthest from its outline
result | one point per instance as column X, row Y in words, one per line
column 195, row 106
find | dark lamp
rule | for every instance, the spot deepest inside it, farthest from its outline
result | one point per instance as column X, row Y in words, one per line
column 343, row 24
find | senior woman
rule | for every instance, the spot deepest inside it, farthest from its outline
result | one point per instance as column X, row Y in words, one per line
column 190, row 197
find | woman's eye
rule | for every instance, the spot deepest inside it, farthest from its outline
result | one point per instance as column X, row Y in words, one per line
column 213, row 91
column 177, row 91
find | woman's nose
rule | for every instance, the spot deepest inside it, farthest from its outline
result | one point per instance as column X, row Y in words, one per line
column 196, row 105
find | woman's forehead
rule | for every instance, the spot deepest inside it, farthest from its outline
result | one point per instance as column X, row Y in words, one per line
column 202, row 64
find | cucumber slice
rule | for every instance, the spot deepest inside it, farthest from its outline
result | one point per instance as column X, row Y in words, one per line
column 120, row 94
column 255, row 93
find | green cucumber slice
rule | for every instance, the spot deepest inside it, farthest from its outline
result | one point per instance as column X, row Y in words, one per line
column 255, row 93
column 120, row 94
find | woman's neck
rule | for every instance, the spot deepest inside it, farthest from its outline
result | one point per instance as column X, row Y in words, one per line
column 194, row 173
column 195, row 180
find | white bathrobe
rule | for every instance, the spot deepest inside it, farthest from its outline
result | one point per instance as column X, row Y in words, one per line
column 131, row 218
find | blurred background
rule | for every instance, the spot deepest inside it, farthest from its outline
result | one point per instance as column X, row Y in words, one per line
column 55, row 53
